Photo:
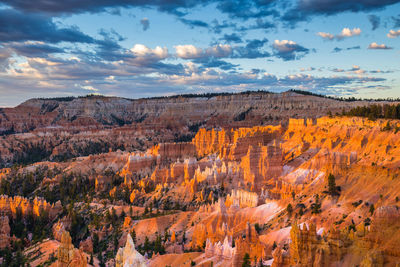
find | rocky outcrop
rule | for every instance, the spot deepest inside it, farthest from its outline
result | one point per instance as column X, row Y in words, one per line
column 173, row 151
column 67, row 255
column 309, row 248
column 10, row 206
column 220, row 251
column 4, row 232
column 242, row 199
column 86, row 245
column 249, row 244
column 58, row 230
column 128, row 256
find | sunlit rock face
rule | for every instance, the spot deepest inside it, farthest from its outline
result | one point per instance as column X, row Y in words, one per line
column 67, row 255
column 242, row 199
column 128, row 256
column 12, row 205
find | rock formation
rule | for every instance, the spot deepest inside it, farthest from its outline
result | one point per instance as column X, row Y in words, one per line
column 67, row 255
column 4, row 232
column 10, row 206
column 128, row 256
column 242, row 198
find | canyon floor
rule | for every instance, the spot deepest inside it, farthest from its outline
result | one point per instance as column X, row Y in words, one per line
column 255, row 179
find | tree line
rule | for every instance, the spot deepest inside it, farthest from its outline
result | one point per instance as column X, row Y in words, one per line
column 375, row 111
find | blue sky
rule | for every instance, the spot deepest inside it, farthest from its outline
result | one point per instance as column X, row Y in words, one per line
column 136, row 48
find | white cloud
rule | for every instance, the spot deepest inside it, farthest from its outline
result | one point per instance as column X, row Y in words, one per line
column 144, row 55
column 345, row 33
column 393, row 33
column 285, row 45
column 289, row 50
column 89, row 88
column 326, row 35
column 379, row 46
column 192, row 52
column 188, row 51
column 142, row 51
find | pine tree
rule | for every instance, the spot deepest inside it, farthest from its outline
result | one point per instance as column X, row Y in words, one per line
column 372, row 209
column 246, row 260
column 316, row 207
column 91, row 259
column 289, row 209
column 146, row 245
column 332, row 184
column 133, row 235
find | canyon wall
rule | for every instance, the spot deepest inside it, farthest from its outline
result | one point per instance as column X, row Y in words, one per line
column 99, row 111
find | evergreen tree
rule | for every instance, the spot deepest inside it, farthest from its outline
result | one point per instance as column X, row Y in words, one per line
column 332, row 185
column 133, row 235
column 184, row 238
column 246, row 260
column 95, row 243
column 289, row 209
column 91, row 259
column 372, row 209
column 316, row 206
column 301, row 211
column 146, row 245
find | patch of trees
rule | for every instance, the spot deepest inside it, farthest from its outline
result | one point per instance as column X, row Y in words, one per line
column 375, row 111
column 20, row 226
column 348, row 99
column 242, row 115
column 24, row 184
column 13, row 258
column 154, row 247
column 316, row 206
column 333, row 190
column 31, row 153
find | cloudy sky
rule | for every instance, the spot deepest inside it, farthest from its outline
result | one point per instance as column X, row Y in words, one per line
column 144, row 48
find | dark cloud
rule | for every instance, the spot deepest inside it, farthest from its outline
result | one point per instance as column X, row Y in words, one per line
column 289, row 11
column 396, row 21
column 192, row 23
column 5, row 55
column 289, row 50
column 337, row 49
column 213, row 62
column 263, row 24
column 304, row 9
column 245, row 9
column 34, row 49
column 217, row 27
column 375, row 21
column 231, row 38
column 145, row 24
column 253, row 49
column 17, row 26
column 107, row 48
column 55, row 7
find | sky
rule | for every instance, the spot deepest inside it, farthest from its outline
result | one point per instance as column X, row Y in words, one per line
column 145, row 48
